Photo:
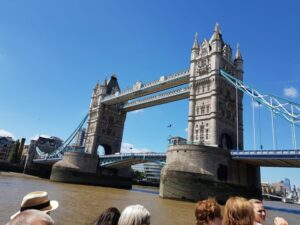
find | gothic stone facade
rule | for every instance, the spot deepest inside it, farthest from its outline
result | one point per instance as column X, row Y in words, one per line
column 212, row 104
column 106, row 123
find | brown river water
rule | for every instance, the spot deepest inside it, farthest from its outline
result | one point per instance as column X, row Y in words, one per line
column 81, row 204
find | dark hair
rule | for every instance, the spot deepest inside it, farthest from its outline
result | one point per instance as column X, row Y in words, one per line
column 108, row 217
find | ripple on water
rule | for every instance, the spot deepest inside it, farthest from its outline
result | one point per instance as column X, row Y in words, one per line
column 81, row 204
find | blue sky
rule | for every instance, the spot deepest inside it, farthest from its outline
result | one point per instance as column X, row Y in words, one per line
column 52, row 53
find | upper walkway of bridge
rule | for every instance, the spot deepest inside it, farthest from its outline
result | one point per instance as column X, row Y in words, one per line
column 140, row 90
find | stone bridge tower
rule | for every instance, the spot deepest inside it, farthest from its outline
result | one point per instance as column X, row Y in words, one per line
column 106, row 123
column 203, row 167
column 105, row 128
column 213, row 113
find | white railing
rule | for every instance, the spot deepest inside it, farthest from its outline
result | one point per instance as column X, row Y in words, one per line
column 157, row 97
column 265, row 152
column 172, row 77
column 133, row 155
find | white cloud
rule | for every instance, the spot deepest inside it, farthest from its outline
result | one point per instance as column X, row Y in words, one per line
column 129, row 148
column 291, row 92
column 6, row 133
column 35, row 137
column 186, row 129
column 137, row 111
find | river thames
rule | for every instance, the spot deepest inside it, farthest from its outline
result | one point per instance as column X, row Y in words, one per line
column 81, row 204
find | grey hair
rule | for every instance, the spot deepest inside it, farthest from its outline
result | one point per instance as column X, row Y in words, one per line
column 135, row 215
column 31, row 216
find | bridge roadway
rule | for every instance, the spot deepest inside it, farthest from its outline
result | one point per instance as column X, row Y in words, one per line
column 266, row 158
column 140, row 90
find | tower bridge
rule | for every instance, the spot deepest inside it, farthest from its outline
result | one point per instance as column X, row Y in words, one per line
column 202, row 166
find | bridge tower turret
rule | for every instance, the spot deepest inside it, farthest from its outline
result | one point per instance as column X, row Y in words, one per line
column 203, row 167
column 238, row 62
column 212, row 103
column 106, row 122
column 195, row 48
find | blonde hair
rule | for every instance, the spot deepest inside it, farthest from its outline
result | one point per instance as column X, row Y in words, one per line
column 135, row 215
column 255, row 201
column 206, row 211
column 238, row 211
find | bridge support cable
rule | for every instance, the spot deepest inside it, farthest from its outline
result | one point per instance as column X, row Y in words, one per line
column 259, row 127
column 280, row 105
column 293, row 131
column 286, row 109
column 274, row 136
column 59, row 152
column 237, row 117
column 253, row 123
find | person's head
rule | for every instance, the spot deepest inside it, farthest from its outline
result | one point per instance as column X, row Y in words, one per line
column 32, row 217
column 208, row 212
column 135, row 215
column 108, row 217
column 238, row 211
column 259, row 210
column 37, row 200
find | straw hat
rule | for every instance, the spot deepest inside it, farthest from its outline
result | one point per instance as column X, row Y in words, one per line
column 37, row 200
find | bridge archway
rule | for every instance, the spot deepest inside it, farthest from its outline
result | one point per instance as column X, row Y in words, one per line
column 226, row 141
column 104, row 149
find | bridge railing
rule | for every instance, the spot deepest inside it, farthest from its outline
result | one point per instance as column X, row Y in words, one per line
column 131, row 155
column 265, row 152
column 169, row 78
column 157, row 97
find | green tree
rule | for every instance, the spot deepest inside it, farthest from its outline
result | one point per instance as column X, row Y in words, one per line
column 13, row 155
column 138, row 175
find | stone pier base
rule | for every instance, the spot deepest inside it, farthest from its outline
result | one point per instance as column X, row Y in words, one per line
column 82, row 168
column 194, row 172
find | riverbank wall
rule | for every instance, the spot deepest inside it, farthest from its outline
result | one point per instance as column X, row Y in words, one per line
column 38, row 170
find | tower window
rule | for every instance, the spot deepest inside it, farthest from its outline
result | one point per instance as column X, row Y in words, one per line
column 108, row 131
column 207, row 109
column 206, row 134
column 202, row 110
column 202, row 133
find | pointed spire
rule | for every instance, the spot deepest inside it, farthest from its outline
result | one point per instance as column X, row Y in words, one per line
column 216, row 35
column 196, row 44
column 217, row 27
column 238, row 54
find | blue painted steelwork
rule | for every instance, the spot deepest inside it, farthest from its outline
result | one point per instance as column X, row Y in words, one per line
column 266, row 154
column 283, row 158
column 128, row 159
column 282, row 107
